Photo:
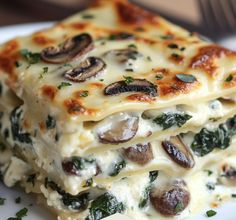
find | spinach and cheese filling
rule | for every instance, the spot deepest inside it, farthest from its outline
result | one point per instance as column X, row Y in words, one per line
column 115, row 110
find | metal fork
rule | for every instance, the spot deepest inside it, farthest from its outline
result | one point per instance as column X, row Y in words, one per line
column 218, row 17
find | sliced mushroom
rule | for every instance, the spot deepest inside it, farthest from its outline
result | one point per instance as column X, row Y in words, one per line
column 178, row 152
column 118, row 128
column 140, row 154
column 171, row 200
column 90, row 67
column 70, row 49
column 228, row 175
column 137, row 85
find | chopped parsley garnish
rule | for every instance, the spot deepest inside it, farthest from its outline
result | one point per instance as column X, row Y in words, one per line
column 173, row 46
column 32, row 58
column 179, row 206
column 17, row 64
column 18, row 200
column 2, row 201
column 153, row 175
column 159, row 76
column 50, row 122
column 210, row 186
column 129, row 70
column 128, row 79
column 211, row 213
column 233, row 195
column 45, row 70
column 22, row 213
column 209, row 172
column 64, row 84
column 101, row 80
column 167, row 120
column 229, row 78
column 87, row 16
column 187, row 78
column 84, row 94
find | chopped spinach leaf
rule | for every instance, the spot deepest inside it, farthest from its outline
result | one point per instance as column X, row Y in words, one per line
column 187, row 78
column 22, row 213
column 16, row 130
column 76, row 202
column 209, row 172
column 32, row 58
column 211, row 213
column 104, row 206
column 145, row 197
column 50, row 122
column 87, row 16
column 210, row 186
column 233, row 195
column 206, row 141
column 31, row 179
column 2, row 201
column 167, row 120
column 118, row 167
column 81, row 163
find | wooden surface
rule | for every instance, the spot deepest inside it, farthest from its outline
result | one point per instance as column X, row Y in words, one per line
column 25, row 11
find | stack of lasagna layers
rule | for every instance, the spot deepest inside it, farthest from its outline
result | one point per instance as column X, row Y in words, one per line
column 115, row 110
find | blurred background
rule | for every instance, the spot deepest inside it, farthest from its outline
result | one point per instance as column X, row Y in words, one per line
column 215, row 19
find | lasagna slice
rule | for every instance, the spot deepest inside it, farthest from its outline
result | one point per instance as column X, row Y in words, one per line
column 116, row 99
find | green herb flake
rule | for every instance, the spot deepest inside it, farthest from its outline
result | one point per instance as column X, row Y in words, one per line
column 2, row 201
column 68, row 65
column 149, row 58
column 229, row 78
column 32, row 58
column 187, row 78
column 18, row 200
column 18, row 64
column 182, row 49
column 84, row 94
column 50, row 122
column 145, row 197
column 179, row 207
column 129, row 70
column 173, row 46
column 22, row 213
column 87, row 16
column 210, row 186
column 159, row 76
column 132, row 46
column 101, row 80
column 153, row 175
column 128, row 79
column 167, row 120
column 211, row 213
column 64, row 84
column 209, row 172
column 233, row 195
column 167, row 37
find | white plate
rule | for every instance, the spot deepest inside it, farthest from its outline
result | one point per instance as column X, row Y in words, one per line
column 226, row 212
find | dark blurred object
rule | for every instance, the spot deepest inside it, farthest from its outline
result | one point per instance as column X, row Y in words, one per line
column 24, row 11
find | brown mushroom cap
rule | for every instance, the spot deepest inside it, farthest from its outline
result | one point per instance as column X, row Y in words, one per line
column 70, row 49
column 140, row 154
column 178, row 152
column 88, row 68
column 170, row 201
column 137, row 85
column 119, row 130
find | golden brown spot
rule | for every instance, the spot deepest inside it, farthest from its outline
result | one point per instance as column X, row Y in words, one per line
column 81, row 94
column 172, row 86
column 206, row 56
column 26, row 124
column 79, row 25
column 42, row 126
column 140, row 98
column 97, row 85
column 49, row 91
column 42, row 40
column 133, row 15
column 74, row 107
column 230, row 83
column 176, row 58
column 8, row 57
